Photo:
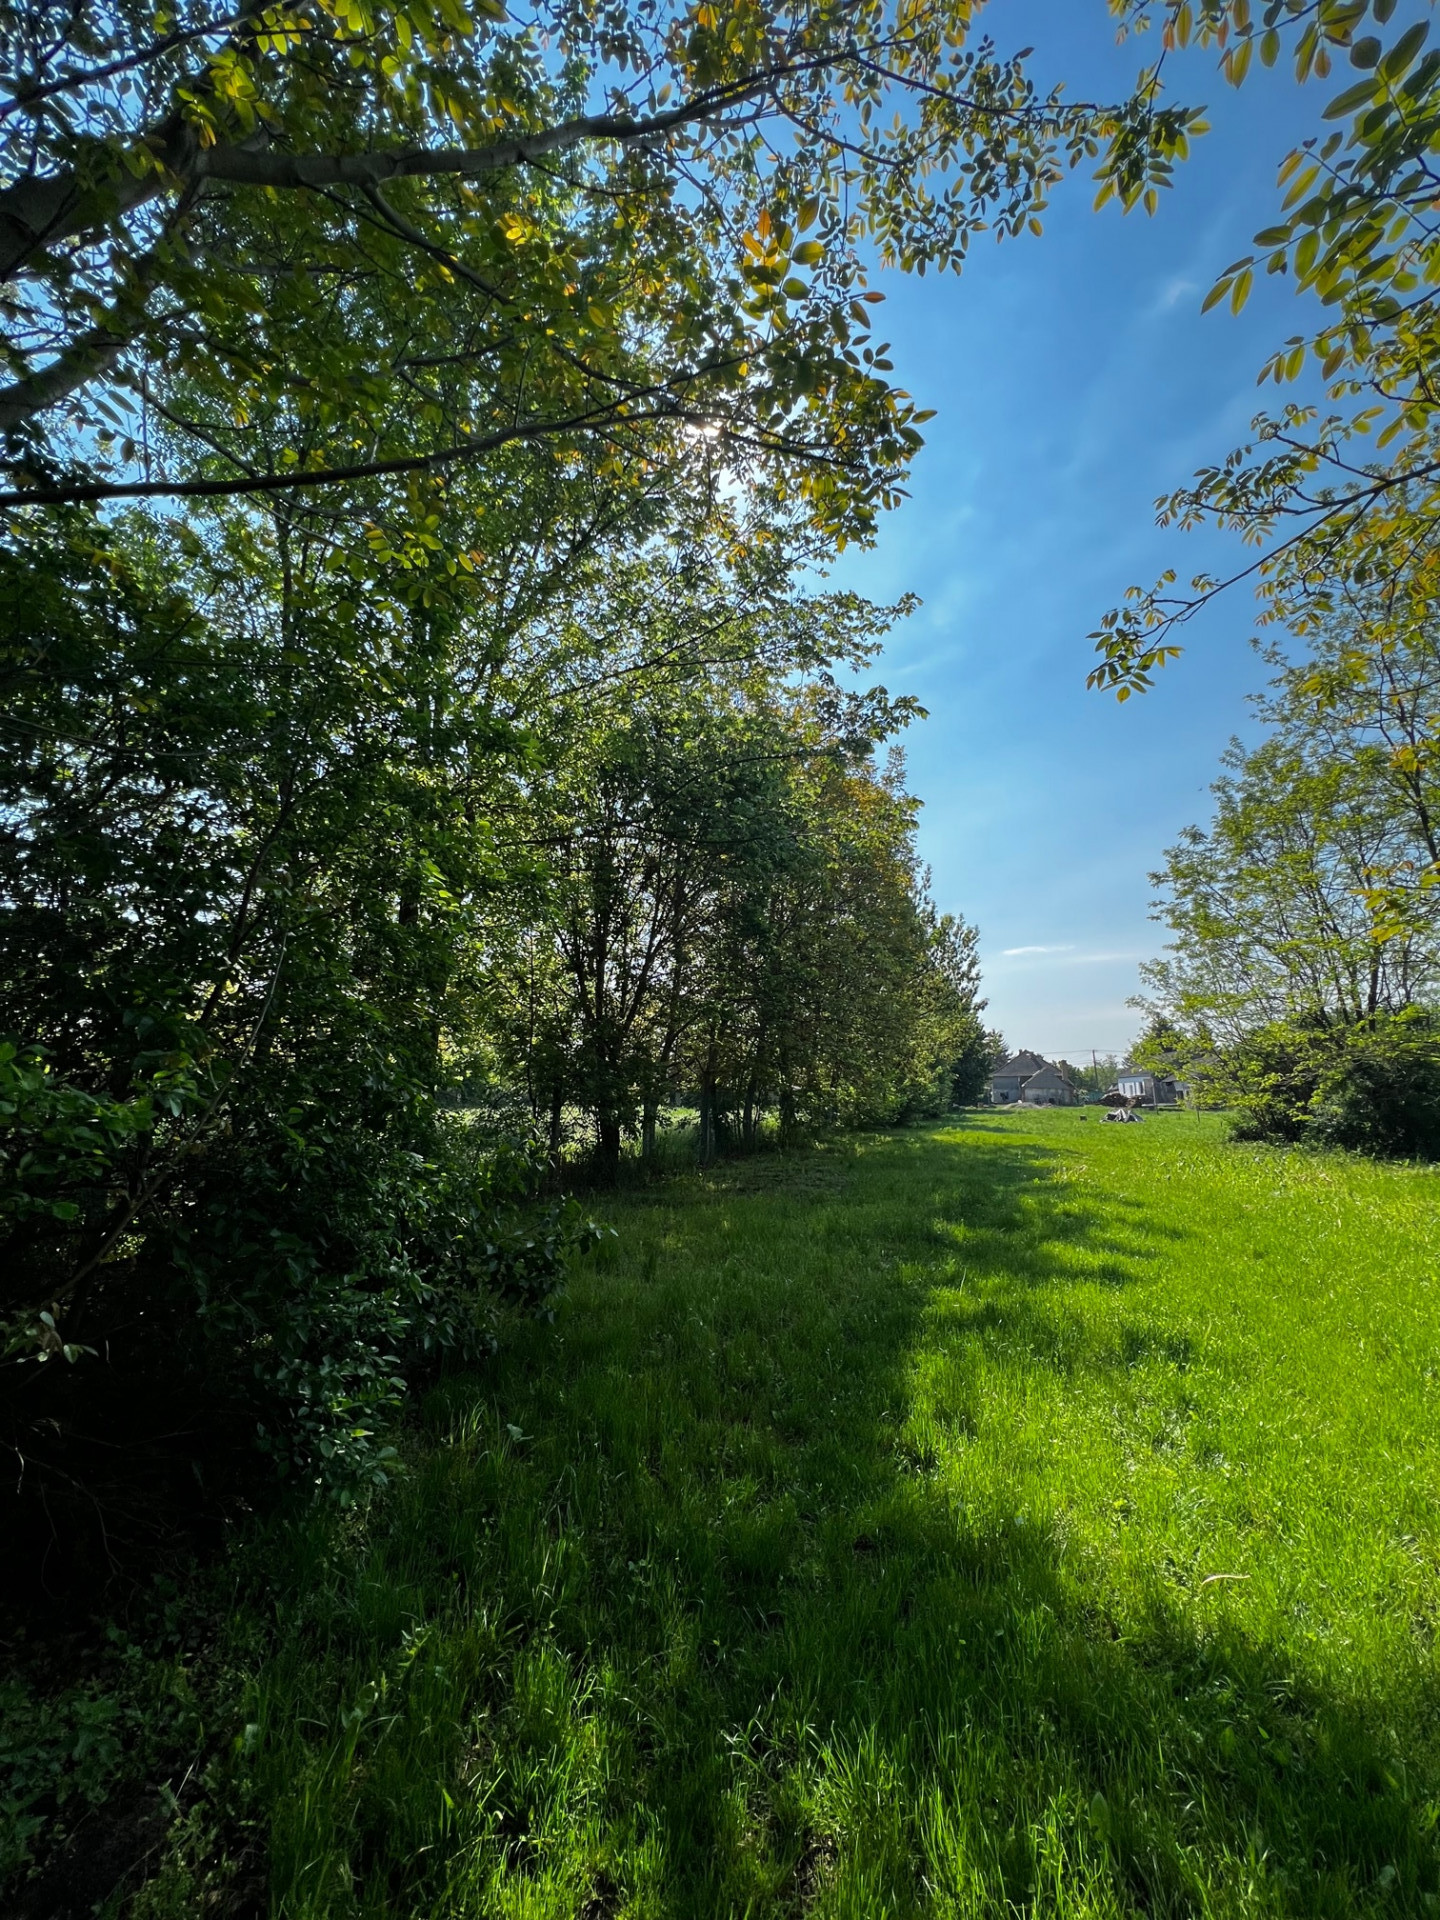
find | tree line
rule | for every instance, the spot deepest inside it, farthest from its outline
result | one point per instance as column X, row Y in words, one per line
column 336, row 927
column 467, row 732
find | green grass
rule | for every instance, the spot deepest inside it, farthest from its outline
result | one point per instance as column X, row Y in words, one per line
column 1028, row 1515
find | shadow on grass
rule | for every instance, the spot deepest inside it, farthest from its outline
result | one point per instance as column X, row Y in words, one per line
column 678, row 1621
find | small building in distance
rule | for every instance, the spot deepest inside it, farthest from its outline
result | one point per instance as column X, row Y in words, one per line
column 1143, row 1088
column 1035, row 1081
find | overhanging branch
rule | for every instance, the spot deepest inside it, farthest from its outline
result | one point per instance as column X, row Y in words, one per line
column 97, row 350
column 608, row 418
column 47, row 209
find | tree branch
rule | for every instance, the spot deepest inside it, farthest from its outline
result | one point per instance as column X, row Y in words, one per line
column 596, row 419
column 27, row 98
column 97, row 350
column 40, row 211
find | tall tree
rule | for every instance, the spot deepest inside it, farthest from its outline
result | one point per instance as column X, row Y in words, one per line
column 1311, row 894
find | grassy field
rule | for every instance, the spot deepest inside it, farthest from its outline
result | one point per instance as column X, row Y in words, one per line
column 1021, row 1514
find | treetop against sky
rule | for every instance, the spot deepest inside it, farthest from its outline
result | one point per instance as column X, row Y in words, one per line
column 624, row 220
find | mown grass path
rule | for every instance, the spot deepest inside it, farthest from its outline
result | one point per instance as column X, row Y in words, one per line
column 1022, row 1514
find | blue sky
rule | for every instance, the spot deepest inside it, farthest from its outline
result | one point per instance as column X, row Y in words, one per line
column 1075, row 380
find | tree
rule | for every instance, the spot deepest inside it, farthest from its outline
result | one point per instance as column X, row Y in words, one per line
column 666, row 810
column 1306, row 953
column 979, row 1054
column 1352, row 496
column 859, row 1014
column 247, row 843
column 1268, row 907
column 433, row 232
column 661, row 812
column 1309, row 895
column 1095, row 1076
column 1163, row 1047
column 973, row 1050
column 729, row 909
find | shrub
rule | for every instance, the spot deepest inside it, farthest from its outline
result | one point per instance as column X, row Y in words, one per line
column 1383, row 1095
column 1372, row 1086
column 299, row 1264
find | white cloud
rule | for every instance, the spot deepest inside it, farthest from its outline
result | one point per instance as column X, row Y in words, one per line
column 1173, row 292
column 1069, row 956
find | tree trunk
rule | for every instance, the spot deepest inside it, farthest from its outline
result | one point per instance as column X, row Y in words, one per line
column 557, row 1110
column 647, row 1130
column 749, row 1120
column 607, row 1156
column 752, row 1087
column 707, row 1108
column 707, row 1125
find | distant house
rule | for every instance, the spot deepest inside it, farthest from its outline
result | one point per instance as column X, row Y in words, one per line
column 1009, row 1076
column 1035, row 1081
column 1148, row 1089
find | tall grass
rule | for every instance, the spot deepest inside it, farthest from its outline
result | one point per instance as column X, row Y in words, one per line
column 1025, row 1514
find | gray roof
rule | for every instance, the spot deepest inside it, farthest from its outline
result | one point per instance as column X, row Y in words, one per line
column 1019, row 1066
column 1050, row 1072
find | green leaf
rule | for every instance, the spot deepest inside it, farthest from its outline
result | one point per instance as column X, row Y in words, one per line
column 1404, row 51
column 1216, row 294
column 1360, row 95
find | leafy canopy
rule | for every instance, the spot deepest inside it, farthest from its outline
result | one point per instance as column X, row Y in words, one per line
column 404, row 237
column 1353, row 494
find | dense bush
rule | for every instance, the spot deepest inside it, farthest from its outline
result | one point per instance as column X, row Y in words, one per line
column 299, row 1268
column 1372, row 1086
column 1383, row 1095
column 338, row 1261
column 239, row 868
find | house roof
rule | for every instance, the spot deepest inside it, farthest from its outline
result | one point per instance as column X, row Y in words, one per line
column 1026, row 1066
column 1049, row 1072
column 1019, row 1066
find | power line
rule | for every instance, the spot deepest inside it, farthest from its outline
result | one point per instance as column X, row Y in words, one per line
column 1108, row 1052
